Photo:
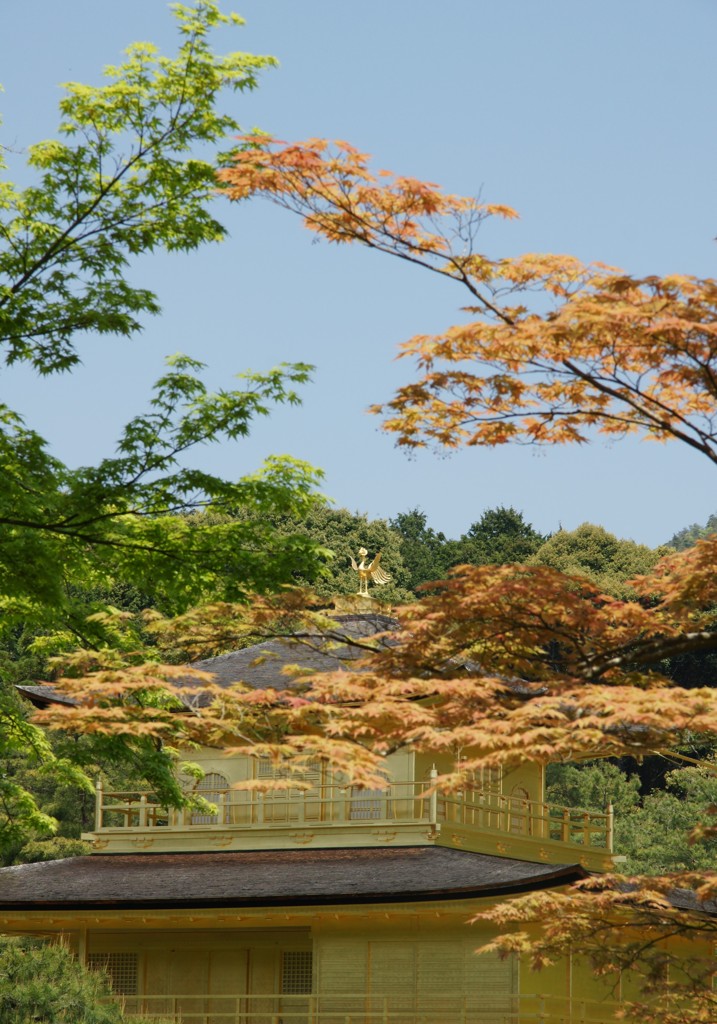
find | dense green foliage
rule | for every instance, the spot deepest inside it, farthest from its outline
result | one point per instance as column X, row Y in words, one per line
column 425, row 552
column 43, row 983
column 26, row 750
column 56, row 777
column 500, row 536
column 72, row 533
column 593, row 553
column 651, row 830
column 411, row 550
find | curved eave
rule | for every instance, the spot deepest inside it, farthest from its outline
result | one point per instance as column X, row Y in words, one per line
column 294, row 878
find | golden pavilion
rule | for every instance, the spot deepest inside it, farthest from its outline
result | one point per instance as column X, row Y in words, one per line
column 332, row 905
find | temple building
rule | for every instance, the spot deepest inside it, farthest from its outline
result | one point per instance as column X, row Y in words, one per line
column 333, row 905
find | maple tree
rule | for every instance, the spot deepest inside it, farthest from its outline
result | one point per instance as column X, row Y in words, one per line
column 558, row 352
column 131, row 171
column 561, row 349
column 499, row 663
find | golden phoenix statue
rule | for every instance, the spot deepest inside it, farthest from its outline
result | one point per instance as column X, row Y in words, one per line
column 372, row 571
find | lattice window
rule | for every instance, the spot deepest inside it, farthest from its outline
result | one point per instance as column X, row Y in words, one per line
column 296, row 972
column 264, row 768
column 122, row 969
column 490, row 780
column 211, row 787
column 369, row 804
column 268, row 769
column 520, row 810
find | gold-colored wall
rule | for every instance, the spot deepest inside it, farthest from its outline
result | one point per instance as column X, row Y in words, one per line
column 373, row 965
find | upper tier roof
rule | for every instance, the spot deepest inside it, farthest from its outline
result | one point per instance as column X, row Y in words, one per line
column 261, row 665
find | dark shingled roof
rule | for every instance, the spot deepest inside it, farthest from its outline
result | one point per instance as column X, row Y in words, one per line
column 260, row 666
column 271, row 878
column 685, row 899
column 42, row 695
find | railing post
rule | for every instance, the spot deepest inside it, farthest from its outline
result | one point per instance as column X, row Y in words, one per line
column 433, row 800
column 609, row 827
column 418, row 801
column 565, row 829
column 541, row 1009
column 143, row 811
column 99, row 798
column 221, row 809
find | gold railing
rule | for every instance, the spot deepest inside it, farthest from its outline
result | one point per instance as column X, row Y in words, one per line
column 333, row 804
column 274, row 1008
column 529, row 817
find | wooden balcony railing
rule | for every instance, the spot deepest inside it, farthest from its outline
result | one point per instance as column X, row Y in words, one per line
column 275, row 1008
column 332, row 804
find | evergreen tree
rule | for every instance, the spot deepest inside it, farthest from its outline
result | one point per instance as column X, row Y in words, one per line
column 652, row 831
column 425, row 553
column 42, row 983
column 501, row 536
column 689, row 535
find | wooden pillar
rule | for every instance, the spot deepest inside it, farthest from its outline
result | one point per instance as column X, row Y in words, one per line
column 99, row 797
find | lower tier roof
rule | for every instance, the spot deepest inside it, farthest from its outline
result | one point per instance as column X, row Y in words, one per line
column 250, row 878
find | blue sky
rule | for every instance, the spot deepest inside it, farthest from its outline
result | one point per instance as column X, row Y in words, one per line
column 595, row 121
